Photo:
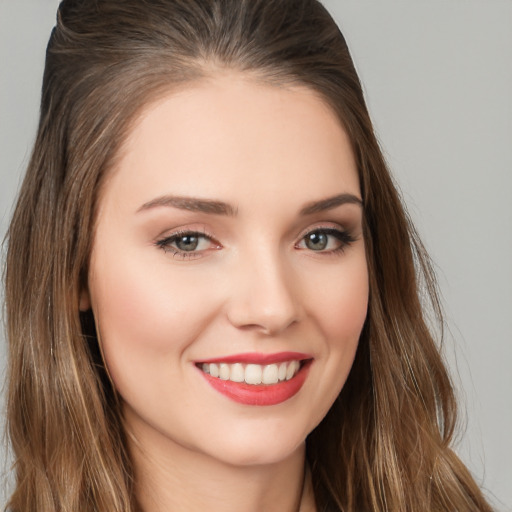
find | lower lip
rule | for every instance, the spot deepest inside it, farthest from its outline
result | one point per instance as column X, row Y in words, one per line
column 271, row 394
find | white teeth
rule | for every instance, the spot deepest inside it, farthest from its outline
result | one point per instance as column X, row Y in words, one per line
column 270, row 374
column 224, row 371
column 253, row 373
column 281, row 374
column 214, row 370
column 237, row 373
column 292, row 369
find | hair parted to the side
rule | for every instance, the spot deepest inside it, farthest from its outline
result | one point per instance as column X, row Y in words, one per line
column 385, row 444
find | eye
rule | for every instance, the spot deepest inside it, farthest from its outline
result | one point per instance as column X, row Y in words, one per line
column 329, row 240
column 187, row 244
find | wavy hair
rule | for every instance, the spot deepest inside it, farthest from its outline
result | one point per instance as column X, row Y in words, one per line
column 385, row 443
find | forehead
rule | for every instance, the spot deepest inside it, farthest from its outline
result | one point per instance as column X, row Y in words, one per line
column 231, row 137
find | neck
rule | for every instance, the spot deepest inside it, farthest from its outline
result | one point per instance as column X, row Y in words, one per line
column 172, row 477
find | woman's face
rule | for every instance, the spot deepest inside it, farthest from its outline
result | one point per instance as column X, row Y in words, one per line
column 228, row 276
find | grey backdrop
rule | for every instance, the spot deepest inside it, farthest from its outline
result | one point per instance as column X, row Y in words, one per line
column 438, row 80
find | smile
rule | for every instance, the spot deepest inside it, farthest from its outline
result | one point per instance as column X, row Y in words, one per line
column 257, row 379
column 253, row 374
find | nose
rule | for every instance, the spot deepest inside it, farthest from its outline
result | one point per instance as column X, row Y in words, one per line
column 264, row 295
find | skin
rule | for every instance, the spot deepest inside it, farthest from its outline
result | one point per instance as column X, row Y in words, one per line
column 253, row 286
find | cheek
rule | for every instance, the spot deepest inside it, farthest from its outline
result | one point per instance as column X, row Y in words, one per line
column 337, row 303
column 145, row 314
column 342, row 303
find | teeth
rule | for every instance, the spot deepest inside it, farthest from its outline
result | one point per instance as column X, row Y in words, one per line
column 270, row 374
column 214, row 370
column 253, row 373
column 237, row 373
column 224, row 371
column 281, row 374
column 292, row 369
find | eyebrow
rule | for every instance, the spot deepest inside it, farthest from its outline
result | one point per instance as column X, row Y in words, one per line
column 210, row 206
column 330, row 203
column 192, row 204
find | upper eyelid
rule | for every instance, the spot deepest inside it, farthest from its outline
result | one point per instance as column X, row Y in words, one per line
column 185, row 232
column 323, row 226
column 177, row 232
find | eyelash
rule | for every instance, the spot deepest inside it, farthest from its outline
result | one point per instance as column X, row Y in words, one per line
column 344, row 237
column 165, row 243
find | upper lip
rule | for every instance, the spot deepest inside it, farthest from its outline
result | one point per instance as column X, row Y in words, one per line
column 259, row 358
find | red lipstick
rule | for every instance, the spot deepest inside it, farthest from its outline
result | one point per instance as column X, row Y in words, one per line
column 259, row 394
column 259, row 358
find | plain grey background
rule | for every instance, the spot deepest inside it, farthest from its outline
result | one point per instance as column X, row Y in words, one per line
column 438, row 80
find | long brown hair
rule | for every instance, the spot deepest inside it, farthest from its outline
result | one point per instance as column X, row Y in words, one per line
column 385, row 443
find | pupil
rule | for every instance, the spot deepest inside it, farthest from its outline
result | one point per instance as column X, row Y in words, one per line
column 316, row 241
column 187, row 243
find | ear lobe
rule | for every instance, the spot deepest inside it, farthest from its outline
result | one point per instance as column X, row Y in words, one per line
column 85, row 300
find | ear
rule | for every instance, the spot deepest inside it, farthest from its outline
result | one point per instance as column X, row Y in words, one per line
column 85, row 300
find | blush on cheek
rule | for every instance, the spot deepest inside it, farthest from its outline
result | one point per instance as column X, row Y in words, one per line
column 145, row 312
column 345, row 306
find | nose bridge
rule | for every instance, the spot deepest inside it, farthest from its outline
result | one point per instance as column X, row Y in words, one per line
column 263, row 291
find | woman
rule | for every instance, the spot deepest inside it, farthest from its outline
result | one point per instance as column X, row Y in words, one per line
column 219, row 267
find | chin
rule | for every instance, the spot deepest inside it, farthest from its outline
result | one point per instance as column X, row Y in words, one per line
column 261, row 447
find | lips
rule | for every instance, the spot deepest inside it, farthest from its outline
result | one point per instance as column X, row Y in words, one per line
column 257, row 379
